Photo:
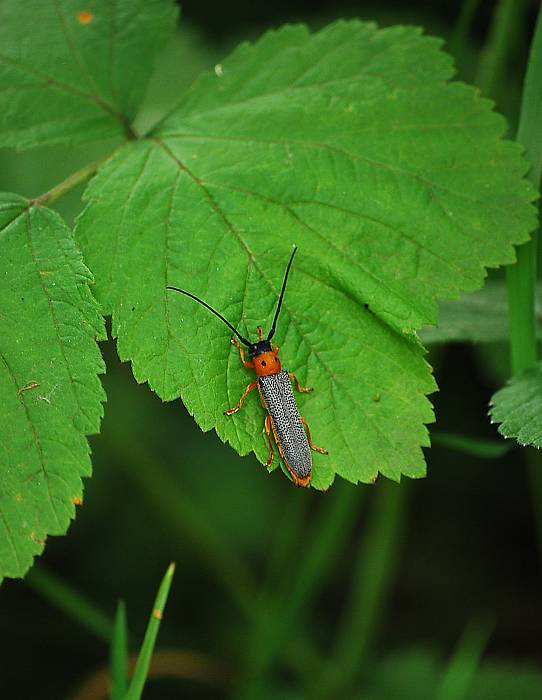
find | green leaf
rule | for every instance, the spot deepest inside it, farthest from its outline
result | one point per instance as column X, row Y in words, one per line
column 479, row 317
column 394, row 184
column 518, row 408
column 51, row 394
column 71, row 71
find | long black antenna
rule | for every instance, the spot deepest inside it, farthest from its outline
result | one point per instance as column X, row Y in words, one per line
column 272, row 331
column 192, row 296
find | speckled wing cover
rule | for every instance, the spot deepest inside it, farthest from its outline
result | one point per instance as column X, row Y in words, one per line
column 276, row 390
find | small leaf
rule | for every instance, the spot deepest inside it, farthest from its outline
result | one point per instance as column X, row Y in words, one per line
column 76, row 71
column 518, row 408
column 51, row 394
column 479, row 317
column 394, row 184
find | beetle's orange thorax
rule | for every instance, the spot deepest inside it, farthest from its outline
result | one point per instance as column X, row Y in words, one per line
column 267, row 363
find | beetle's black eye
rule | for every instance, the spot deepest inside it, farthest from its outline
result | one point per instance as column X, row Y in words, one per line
column 264, row 363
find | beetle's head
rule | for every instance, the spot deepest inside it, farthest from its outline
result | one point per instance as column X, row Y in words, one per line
column 255, row 349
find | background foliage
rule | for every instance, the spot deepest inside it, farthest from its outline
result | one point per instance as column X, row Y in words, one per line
column 148, row 462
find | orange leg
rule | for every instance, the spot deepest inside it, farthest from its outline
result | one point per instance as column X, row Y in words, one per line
column 245, row 393
column 302, row 389
column 268, row 433
column 247, row 363
column 311, row 444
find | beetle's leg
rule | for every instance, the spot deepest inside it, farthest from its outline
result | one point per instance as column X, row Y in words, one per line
column 302, row 389
column 245, row 393
column 268, row 433
column 311, row 444
column 247, row 363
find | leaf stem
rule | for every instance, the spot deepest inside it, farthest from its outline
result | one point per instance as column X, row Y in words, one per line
column 70, row 182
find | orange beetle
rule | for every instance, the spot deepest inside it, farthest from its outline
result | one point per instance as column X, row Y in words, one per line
column 290, row 430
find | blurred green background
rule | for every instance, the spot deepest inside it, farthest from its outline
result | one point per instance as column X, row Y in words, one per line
column 427, row 589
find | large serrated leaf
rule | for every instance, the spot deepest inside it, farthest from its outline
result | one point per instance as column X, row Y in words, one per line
column 51, row 394
column 518, row 408
column 73, row 72
column 396, row 188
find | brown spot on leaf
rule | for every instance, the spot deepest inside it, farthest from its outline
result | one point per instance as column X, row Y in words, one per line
column 77, row 500
column 157, row 614
column 18, row 498
column 85, row 17
column 36, row 539
column 27, row 387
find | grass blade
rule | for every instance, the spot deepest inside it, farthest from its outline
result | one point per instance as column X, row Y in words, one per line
column 290, row 606
column 119, row 655
column 70, row 601
column 373, row 576
column 477, row 447
column 465, row 660
column 144, row 659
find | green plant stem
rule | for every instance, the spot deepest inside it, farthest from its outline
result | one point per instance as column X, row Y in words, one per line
column 145, row 655
column 373, row 576
column 70, row 601
column 70, row 182
column 501, row 42
column 465, row 660
column 521, row 277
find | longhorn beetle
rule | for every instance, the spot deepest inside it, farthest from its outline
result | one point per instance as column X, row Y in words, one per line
column 290, row 430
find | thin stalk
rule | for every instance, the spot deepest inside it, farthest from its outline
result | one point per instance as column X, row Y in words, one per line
column 70, row 601
column 70, row 182
column 465, row 660
column 373, row 577
column 145, row 655
column 521, row 277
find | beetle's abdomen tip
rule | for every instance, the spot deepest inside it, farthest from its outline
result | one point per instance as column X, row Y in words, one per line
column 303, row 482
